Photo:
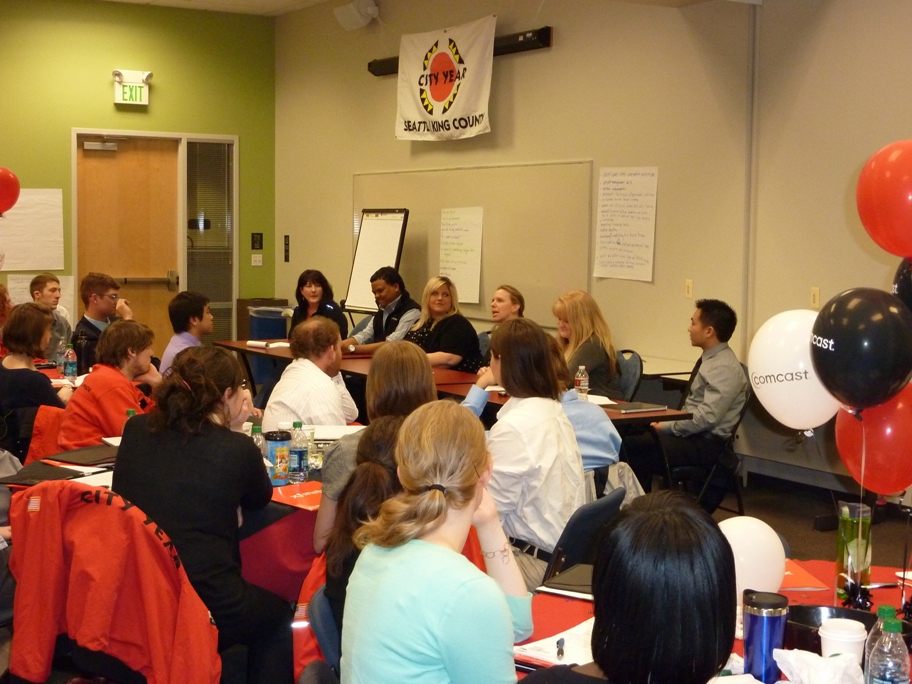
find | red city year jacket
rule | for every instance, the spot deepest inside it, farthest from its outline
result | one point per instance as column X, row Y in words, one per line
column 90, row 564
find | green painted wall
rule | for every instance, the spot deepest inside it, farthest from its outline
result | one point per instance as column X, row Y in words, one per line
column 213, row 73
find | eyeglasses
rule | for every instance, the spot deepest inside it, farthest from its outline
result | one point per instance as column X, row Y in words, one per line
column 112, row 295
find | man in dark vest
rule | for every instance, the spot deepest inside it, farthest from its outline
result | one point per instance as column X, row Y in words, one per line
column 398, row 312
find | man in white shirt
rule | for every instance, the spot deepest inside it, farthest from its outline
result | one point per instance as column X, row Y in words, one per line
column 45, row 288
column 311, row 389
column 190, row 319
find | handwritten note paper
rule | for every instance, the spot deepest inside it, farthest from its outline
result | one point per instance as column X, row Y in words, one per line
column 460, row 249
column 31, row 233
column 625, row 239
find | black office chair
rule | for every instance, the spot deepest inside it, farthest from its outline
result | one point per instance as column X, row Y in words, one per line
column 324, row 627
column 728, row 464
column 577, row 542
column 318, row 672
column 630, row 366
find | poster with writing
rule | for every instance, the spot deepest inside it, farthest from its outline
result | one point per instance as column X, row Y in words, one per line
column 625, row 236
column 460, row 249
column 31, row 233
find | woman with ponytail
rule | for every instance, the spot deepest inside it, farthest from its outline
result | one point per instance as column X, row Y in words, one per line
column 186, row 466
column 417, row 610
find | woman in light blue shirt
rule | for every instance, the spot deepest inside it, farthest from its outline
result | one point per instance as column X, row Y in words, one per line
column 417, row 610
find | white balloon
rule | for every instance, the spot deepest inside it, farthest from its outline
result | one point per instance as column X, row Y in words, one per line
column 759, row 556
column 782, row 374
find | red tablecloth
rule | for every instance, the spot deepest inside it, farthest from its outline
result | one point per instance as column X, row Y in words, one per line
column 553, row 614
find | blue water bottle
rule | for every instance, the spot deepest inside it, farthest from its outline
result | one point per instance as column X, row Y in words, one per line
column 765, row 615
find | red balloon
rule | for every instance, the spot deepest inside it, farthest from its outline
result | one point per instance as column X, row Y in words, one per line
column 884, row 198
column 9, row 189
column 887, row 431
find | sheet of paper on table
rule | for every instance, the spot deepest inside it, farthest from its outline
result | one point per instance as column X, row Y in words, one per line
column 102, row 479
column 600, row 400
column 798, row 579
column 332, row 433
column 112, row 441
column 577, row 647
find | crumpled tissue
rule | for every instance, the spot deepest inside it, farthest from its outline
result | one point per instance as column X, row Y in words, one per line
column 804, row 667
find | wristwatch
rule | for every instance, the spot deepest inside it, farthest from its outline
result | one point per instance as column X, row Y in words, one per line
column 351, row 349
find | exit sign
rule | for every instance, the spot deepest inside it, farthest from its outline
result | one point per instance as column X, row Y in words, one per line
column 131, row 93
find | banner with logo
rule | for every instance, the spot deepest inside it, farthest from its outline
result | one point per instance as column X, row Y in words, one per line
column 445, row 82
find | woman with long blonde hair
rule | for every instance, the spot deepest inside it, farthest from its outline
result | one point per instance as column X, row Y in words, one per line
column 417, row 610
column 442, row 332
column 585, row 339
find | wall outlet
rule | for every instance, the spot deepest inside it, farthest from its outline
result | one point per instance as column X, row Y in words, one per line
column 689, row 288
column 256, row 259
column 815, row 297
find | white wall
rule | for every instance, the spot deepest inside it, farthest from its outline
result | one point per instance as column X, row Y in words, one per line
column 623, row 85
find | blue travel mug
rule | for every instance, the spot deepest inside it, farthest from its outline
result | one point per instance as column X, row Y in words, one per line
column 765, row 615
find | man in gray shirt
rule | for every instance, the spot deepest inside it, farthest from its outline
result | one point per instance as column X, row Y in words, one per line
column 716, row 397
column 45, row 288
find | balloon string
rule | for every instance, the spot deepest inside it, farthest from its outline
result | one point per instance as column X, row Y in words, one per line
column 862, row 561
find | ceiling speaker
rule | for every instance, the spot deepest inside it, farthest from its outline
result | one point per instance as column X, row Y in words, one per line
column 356, row 14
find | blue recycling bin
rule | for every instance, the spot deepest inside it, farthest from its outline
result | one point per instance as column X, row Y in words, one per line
column 266, row 323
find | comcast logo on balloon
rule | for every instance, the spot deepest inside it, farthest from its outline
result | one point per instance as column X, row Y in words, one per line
column 822, row 342
column 773, row 378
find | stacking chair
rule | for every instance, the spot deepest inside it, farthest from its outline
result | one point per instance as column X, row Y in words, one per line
column 630, row 366
column 325, row 628
column 577, row 542
column 318, row 672
column 728, row 464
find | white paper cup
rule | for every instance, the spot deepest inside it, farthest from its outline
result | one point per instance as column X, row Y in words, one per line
column 839, row 635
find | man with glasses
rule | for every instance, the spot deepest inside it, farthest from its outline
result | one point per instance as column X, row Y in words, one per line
column 103, row 306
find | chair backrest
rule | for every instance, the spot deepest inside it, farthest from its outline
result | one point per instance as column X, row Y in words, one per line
column 318, row 672
column 90, row 564
column 484, row 343
column 324, row 628
column 577, row 542
column 45, row 433
column 630, row 366
column 747, row 397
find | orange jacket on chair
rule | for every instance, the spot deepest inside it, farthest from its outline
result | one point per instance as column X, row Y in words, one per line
column 90, row 564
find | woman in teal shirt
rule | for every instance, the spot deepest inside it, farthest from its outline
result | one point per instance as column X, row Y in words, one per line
column 417, row 610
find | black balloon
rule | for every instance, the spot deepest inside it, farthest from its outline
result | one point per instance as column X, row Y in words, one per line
column 902, row 283
column 861, row 346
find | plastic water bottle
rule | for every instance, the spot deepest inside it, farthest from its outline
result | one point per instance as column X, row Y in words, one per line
column 581, row 383
column 61, row 350
column 889, row 658
column 69, row 364
column 130, row 414
column 298, row 455
column 256, row 434
column 883, row 612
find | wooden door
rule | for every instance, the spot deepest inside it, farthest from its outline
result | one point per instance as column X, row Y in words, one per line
column 127, row 222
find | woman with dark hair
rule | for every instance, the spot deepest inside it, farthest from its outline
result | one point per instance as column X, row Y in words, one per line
column 445, row 334
column 373, row 481
column 417, row 610
column 188, row 469
column 664, row 588
column 585, row 339
column 22, row 386
column 399, row 381
column 538, row 471
column 315, row 298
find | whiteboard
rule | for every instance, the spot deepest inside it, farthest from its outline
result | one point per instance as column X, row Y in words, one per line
column 379, row 244
column 537, row 227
